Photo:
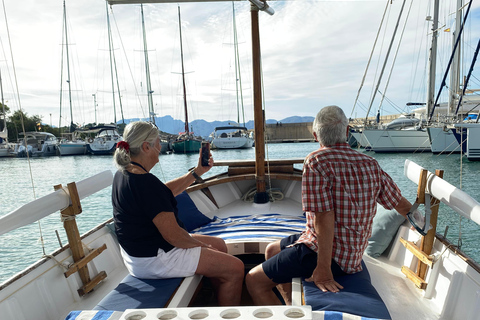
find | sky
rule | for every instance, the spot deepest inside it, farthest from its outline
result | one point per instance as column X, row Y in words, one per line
column 314, row 54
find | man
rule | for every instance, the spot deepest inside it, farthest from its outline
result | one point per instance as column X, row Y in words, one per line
column 340, row 191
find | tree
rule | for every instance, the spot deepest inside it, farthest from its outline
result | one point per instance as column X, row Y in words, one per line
column 29, row 124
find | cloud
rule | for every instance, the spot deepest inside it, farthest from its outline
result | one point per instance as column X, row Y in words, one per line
column 314, row 53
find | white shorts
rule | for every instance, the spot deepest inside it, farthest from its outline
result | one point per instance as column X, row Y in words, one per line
column 175, row 263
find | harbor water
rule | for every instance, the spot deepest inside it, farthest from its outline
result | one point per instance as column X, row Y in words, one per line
column 23, row 181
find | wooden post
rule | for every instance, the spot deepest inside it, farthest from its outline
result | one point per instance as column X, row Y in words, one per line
column 70, row 225
column 261, row 195
column 75, row 242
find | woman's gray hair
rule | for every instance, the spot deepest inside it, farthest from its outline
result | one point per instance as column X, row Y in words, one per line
column 135, row 134
column 330, row 125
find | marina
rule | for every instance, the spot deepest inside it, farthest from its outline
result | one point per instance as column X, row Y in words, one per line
column 392, row 266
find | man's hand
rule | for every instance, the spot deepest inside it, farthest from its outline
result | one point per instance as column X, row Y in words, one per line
column 323, row 279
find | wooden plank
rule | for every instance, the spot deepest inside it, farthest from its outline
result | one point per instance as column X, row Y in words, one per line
column 419, row 282
column 417, row 252
column 233, row 171
column 82, row 263
column 92, row 284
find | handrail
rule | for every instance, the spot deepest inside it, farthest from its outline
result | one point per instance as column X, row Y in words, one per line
column 458, row 200
column 53, row 202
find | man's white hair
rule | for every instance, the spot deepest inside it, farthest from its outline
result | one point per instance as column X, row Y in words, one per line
column 330, row 125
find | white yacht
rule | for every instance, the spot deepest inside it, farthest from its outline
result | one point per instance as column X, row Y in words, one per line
column 232, row 137
column 37, row 144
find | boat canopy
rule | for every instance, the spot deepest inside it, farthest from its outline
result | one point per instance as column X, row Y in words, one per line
column 231, row 128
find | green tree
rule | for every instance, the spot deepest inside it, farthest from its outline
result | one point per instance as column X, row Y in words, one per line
column 14, row 125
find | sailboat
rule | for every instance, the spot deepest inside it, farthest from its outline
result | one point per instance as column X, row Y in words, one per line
column 151, row 111
column 234, row 136
column 87, row 279
column 5, row 148
column 442, row 132
column 70, row 144
column 107, row 135
column 186, row 142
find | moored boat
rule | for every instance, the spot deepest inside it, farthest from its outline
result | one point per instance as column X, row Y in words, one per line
column 36, row 144
column 232, row 137
column 105, row 141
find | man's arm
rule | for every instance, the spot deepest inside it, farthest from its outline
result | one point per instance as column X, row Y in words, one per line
column 403, row 207
column 324, row 229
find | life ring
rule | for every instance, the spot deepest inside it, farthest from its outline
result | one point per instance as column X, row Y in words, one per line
column 90, row 140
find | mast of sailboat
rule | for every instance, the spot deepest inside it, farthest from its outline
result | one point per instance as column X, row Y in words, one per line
column 151, row 112
column 455, row 68
column 238, row 74
column 68, row 65
column 3, row 108
column 187, row 130
column 433, row 59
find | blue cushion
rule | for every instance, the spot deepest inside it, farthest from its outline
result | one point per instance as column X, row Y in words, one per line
column 357, row 297
column 134, row 293
column 385, row 226
column 188, row 213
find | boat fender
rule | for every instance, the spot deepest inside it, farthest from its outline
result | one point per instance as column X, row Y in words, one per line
column 90, row 140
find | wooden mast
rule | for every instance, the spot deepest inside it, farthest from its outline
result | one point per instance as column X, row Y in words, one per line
column 261, row 195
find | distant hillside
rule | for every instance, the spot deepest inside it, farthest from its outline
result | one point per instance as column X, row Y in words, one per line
column 204, row 128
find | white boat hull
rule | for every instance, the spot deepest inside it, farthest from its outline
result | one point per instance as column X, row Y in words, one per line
column 398, row 140
column 442, row 140
column 233, row 142
column 43, row 293
column 72, row 148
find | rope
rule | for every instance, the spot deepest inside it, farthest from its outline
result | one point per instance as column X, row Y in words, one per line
column 274, row 194
column 56, row 261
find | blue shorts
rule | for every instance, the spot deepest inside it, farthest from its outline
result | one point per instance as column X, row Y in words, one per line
column 297, row 261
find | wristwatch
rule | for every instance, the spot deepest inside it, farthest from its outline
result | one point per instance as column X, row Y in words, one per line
column 196, row 176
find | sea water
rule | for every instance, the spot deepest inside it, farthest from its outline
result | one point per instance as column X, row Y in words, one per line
column 23, row 181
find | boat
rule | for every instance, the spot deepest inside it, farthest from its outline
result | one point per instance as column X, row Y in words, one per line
column 105, row 141
column 185, row 142
column 164, row 145
column 466, row 134
column 36, row 144
column 87, row 279
column 6, row 149
column 70, row 144
column 234, row 136
column 442, row 131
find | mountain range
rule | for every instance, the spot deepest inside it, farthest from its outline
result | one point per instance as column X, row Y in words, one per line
column 204, row 128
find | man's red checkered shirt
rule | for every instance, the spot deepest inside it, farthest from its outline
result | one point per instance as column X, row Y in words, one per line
column 349, row 183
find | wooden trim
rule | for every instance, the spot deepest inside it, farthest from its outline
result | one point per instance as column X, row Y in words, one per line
column 220, row 179
column 417, row 252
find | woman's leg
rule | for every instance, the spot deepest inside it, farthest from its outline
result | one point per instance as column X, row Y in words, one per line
column 226, row 273
column 215, row 242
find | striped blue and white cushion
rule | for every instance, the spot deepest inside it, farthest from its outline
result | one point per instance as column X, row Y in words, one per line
column 94, row 315
column 265, row 227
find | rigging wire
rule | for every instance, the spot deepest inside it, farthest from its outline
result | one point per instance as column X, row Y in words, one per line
column 369, row 60
column 21, row 116
column 395, row 57
column 126, row 59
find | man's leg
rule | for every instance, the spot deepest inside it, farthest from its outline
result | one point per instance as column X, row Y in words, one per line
column 285, row 289
column 260, row 287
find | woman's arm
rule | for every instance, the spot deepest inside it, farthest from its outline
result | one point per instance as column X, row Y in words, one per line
column 179, row 184
column 175, row 235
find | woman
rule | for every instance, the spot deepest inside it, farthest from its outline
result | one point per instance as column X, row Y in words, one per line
column 153, row 241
